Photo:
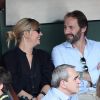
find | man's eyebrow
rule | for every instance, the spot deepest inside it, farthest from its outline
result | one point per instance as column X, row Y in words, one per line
column 76, row 77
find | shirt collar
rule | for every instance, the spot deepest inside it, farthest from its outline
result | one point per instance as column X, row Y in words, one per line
column 69, row 45
column 60, row 94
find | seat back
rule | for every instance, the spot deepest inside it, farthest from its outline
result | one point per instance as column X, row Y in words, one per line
column 13, row 94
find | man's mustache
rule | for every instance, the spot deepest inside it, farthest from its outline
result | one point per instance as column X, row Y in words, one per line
column 69, row 35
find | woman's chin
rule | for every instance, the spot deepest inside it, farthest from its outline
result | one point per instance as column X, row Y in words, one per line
column 38, row 43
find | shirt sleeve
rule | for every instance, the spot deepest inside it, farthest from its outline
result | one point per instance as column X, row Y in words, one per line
column 46, row 69
column 57, row 57
column 12, row 66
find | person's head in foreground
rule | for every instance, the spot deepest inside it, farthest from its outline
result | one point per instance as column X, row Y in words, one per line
column 5, row 81
column 66, row 79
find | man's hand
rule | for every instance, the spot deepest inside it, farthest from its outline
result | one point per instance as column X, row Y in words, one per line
column 86, row 76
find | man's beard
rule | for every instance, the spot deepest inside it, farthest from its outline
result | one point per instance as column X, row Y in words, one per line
column 73, row 38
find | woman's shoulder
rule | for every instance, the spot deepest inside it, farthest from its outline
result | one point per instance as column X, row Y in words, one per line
column 10, row 52
column 40, row 51
column 41, row 54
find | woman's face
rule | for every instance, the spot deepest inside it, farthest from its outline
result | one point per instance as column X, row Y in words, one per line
column 35, row 36
column 32, row 37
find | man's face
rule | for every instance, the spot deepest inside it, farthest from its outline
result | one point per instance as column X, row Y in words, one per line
column 72, row 30
column 1, row 87
column 73, row 81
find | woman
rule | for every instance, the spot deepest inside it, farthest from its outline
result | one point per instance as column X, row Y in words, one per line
column 31, row 68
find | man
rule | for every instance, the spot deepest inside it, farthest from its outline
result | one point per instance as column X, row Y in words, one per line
column 65, row 82
column 78, row 50
column 5, row 82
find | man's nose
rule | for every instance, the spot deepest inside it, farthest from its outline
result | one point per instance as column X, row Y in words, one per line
column 67, row 30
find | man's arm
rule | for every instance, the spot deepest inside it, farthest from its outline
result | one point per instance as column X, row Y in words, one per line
column 57, row 57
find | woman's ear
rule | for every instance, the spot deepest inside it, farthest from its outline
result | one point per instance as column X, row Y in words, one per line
column 26, row 34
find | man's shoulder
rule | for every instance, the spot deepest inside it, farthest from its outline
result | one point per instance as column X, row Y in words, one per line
column 94, row 42
column 50, row 97
column 62, row 45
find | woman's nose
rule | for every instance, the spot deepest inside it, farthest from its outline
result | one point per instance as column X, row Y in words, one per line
column 41, row 34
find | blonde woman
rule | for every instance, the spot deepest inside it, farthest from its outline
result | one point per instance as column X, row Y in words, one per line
column 31, row 68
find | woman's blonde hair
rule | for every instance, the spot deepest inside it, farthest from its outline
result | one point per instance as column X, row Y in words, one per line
column 98, row 87
column 22, row 25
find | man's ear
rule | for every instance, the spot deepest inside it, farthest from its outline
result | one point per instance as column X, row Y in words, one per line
column 83, row 29
column 1, row 86
column 63, row 84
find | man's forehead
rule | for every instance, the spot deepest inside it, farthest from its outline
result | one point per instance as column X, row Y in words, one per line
column 72, row 72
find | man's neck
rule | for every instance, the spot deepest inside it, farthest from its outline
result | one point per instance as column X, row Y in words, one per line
column 80, row 45
column 64, row 91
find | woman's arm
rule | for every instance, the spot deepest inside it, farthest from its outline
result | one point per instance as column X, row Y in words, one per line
column 43, row 92
column 23, row 93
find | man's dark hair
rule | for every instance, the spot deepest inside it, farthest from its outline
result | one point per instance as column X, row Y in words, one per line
column 81, row 18
column 5, row 79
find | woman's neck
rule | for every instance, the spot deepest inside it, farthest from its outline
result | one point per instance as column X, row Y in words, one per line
column 27, row 49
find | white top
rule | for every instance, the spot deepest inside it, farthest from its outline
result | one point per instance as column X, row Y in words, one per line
column 55, row 94
column 66, row 54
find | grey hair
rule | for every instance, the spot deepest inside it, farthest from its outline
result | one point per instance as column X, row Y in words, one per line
column 60, row 73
